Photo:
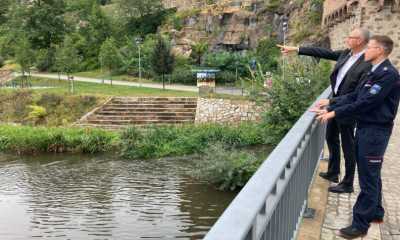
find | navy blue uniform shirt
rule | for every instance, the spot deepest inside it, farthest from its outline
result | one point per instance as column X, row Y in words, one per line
column 375, row 101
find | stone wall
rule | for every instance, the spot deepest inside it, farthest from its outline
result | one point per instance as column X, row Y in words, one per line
column 380, row 17
column 223, row 110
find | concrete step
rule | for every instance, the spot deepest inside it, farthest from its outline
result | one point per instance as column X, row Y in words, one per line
column 136, row 122
column 142, row 110
column 157, row 99
column 152, row 102
column 122, row 127
column 149, row 114
column 139, row 118
column 154, row 105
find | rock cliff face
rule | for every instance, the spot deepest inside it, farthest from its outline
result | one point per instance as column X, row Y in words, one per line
column 231, row 24
column 235, row 25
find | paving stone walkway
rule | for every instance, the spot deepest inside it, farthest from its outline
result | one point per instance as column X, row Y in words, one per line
column 339, row 208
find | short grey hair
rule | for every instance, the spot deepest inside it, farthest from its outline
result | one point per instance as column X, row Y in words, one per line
column 364, row 34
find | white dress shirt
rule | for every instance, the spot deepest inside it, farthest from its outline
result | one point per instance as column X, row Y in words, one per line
column 345, row 68
column 374, row 67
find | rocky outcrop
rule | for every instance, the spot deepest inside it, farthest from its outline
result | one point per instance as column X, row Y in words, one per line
column 231, row 25
column 239, row 25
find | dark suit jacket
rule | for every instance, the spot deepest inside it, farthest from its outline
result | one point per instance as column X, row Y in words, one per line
column 353, row 76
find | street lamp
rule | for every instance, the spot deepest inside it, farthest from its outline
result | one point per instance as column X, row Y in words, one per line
column 138, row 41
column 284, row 20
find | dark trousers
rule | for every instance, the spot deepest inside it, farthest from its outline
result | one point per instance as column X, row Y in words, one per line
column 371, row 145
column 346, row 132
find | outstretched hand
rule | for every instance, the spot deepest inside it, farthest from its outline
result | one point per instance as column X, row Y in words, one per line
column 287, row 49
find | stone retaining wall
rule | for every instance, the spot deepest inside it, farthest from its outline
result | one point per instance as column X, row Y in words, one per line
column 223, row 110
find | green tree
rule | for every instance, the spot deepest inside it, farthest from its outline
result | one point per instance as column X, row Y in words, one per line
column 142, row 16
column 24, row 56
column 140, row 8
column 198, row 51
column 109, row 56
column 67, row 60
column 5, row 4
column 162, row 59
column 94, row 31
column 268, row 54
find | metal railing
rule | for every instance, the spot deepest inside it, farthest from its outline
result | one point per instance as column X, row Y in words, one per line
column 272, row 203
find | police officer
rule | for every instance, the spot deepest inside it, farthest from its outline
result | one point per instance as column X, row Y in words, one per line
column 374, row 104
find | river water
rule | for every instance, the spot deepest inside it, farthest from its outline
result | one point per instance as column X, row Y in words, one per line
column 103, row 197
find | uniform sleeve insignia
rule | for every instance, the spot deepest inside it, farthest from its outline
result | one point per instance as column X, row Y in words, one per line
column 375, row 89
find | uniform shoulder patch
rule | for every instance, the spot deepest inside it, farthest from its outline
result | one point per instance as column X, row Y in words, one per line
column 375, row 89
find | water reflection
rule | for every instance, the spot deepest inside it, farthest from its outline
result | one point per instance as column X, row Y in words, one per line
column 81, row 197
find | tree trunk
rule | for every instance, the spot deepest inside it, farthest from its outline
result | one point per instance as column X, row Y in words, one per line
column 163, row 82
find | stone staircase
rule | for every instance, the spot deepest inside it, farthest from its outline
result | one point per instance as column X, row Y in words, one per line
column 121, row 112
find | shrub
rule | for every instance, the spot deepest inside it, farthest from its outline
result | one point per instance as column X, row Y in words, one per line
column 228, row 169
column 183, row 76
column 225, row 77
column 288, row 98
column 37, row 113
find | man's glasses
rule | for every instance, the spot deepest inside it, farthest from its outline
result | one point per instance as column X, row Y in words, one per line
column 352, row 37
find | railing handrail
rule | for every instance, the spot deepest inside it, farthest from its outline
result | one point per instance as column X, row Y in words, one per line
column 238, row 219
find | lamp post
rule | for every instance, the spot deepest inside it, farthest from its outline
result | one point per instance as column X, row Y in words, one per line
column 284, row 30
column 138, row 41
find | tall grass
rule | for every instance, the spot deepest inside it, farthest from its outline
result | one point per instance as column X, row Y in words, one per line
column 33, row 140
column 155, row 142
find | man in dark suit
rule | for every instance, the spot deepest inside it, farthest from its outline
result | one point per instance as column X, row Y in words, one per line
column 346, row 75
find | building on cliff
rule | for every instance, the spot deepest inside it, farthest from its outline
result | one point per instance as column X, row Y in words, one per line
column 379, row 16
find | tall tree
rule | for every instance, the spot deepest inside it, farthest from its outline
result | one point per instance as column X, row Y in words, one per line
column 109, row 56
column 162, row 59
column 67, row 60
column 140, row 8
column 94, row 30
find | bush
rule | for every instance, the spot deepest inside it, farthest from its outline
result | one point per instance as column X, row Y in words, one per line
column 228, row 169
column 289, row 98
column 225, row 77
column 183, row 76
